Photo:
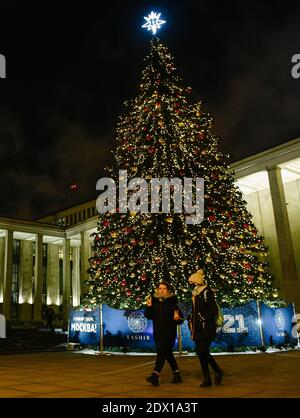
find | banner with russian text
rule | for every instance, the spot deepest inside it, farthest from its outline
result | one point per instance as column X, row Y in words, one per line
column 84, row 327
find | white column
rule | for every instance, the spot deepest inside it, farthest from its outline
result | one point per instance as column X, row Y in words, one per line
column 53, row 275
column 38, row 277
column 8, row 259
column 25, row 291
column 284, row 237
column 2, row 256
column 76, row 276
column 85, row 251
column 66, row 279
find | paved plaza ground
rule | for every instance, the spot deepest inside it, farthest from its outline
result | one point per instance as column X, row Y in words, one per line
column 74, row 375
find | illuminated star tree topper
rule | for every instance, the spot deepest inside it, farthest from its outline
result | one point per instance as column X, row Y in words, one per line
column 153, row 22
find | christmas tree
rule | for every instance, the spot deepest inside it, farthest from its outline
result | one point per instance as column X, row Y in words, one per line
column 165, row 134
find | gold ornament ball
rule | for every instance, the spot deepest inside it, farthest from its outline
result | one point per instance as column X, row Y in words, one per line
column 169, row 220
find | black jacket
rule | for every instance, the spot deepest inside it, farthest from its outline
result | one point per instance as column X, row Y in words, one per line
column 162, row 314
column 202, row 321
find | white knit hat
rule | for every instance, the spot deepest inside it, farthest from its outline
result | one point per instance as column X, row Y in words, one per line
column 196, row 278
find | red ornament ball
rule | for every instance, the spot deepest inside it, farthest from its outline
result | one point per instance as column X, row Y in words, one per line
column 201, row 135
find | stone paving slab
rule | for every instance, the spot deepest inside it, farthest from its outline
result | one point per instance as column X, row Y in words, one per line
column 74, row 375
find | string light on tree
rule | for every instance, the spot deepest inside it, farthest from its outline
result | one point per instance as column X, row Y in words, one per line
column 74, row 186
column 163, row 133
column 153, row 22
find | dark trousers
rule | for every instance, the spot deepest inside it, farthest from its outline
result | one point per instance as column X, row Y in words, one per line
column 205, row 358
column 49, row 322
column 164, row 353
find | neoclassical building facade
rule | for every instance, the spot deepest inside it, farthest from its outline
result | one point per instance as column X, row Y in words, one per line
column 44, row 262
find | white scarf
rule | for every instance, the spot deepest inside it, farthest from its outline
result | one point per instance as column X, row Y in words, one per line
column 198, row 289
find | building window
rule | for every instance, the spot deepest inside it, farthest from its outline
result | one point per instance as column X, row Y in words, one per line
column 71, row 273
column 71, row 219
column 16, row 249
column 33, row 267
column 75, row 218
column 61, row 277
column 67, row 220
column 45, row 250
column 84, row 215
column 93, row 211
column 15, row 280
column 79, row 216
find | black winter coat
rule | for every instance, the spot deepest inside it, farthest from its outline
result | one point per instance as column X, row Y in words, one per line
column 164, row 326
column 203, row 317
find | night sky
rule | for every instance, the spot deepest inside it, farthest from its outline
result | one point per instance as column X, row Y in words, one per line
column 70, row 68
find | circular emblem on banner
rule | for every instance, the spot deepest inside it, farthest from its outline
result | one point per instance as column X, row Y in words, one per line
column 279, row 319
column 137, row 322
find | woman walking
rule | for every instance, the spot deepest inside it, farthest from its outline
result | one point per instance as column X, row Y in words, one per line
column 162, row 308
column 202, row 324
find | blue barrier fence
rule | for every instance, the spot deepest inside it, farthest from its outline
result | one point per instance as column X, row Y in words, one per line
column 253, row 324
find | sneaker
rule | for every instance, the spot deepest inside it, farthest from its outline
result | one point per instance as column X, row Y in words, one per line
column 206, row 382
column 218, row 377
column 177, row 378
column 153, row 379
